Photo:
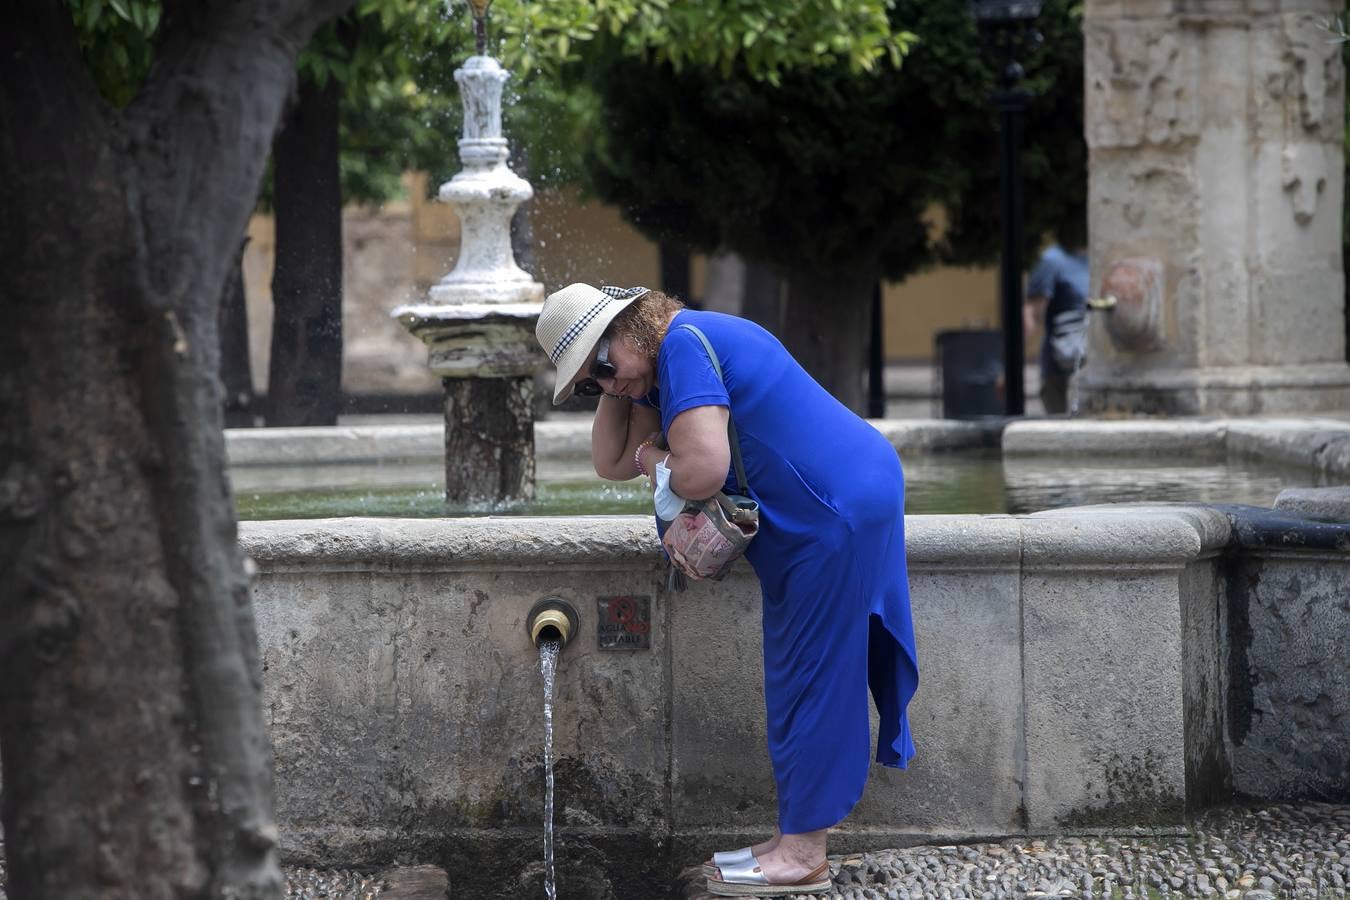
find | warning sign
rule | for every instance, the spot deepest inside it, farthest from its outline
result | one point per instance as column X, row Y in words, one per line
column 623, row 623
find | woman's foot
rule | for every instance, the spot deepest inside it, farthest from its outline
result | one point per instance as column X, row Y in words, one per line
column 788, row 858
column 792, row 858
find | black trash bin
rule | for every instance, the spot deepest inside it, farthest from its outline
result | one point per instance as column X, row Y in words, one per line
column 970, row 370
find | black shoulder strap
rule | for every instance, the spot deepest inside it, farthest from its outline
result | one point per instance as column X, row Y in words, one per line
column 742, row 486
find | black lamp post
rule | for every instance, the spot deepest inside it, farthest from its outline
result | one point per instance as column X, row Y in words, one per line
column 1007, row 33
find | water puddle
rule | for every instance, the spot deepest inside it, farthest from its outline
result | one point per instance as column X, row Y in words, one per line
column 548, row 666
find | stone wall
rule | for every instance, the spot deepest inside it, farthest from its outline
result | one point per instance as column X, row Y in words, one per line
column 1215, row 131
column 1288, row 605
column 406, row 707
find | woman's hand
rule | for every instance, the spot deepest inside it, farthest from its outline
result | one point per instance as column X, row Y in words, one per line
column 614, row 436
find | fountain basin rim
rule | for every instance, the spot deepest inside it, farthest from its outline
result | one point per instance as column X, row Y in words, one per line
column 555, row 439
column 1139, row 538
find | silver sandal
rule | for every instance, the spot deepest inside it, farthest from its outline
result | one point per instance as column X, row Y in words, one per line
column 748, row 881
column 727, row 858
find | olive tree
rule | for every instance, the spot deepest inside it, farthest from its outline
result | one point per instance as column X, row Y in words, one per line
column 136, row 760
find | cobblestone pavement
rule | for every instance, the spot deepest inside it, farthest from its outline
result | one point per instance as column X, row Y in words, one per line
column 1260, row 853
column 1251, row 854
column 330, row 884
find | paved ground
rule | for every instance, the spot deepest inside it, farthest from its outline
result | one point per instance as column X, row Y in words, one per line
column 1245, row 854
column 1254, row 854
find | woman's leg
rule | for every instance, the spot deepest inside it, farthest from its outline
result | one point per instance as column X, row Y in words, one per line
column 770, row 844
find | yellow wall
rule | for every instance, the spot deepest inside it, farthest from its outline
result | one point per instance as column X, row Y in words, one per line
column 937, row 300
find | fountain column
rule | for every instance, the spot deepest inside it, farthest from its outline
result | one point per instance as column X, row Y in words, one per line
column 1215, row 134
column 478, row 321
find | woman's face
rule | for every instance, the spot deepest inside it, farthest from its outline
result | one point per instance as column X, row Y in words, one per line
column 634, row 374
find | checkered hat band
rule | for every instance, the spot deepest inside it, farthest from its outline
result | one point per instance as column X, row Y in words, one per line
column 577, row 327
column 619, row 293
column 575, row 330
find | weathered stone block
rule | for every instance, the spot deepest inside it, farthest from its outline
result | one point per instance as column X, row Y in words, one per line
column 1288, row 715
column 404, row 695
column 1102, row 606
column 967, row 716
column 1215, row 132
column 1332, row 503
column 720, row 774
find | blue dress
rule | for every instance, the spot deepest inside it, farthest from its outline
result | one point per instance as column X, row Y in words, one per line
column 830, row 556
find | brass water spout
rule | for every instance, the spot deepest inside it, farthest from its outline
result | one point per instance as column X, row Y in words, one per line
column 552, row 619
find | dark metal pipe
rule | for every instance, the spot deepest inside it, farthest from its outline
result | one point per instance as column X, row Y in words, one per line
column 1011, row 101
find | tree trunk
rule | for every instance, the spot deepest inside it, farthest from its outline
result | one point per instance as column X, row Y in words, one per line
column 876, row 355
column 724, row 283
column 763, row 299
column 236, row 370
column 674, row 263
column 136, row 761
column 489, row 441
column 304, row 373
column 826, row 320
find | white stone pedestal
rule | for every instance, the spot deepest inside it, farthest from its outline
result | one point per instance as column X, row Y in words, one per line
column 1215, row 136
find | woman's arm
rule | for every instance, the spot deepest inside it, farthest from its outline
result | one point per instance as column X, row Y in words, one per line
column 699, row 452
column 619, row 426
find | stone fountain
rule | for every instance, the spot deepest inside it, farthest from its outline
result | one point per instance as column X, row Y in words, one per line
column 1215, row 136
column 478, row 321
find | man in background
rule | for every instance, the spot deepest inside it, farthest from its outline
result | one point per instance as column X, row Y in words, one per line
column 1057, row 304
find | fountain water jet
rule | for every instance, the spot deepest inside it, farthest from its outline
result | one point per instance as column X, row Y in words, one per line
column 548, row 667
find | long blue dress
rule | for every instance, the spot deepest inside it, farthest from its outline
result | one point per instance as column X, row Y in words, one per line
column 830, row 556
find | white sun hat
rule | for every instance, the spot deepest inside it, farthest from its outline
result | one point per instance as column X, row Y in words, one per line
column 572, row 321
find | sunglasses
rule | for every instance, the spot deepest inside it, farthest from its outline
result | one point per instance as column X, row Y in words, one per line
column 601, row 367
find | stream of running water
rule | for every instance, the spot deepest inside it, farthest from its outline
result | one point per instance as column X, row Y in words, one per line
column 548, row 666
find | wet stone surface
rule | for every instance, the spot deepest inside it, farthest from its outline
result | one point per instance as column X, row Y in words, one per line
column 1293, row 851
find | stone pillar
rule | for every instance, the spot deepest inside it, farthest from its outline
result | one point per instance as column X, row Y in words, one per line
column 478, row 321
column 1215, row 130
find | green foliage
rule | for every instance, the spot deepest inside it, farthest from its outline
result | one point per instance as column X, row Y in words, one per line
column 764, row 37
column 401, row 105
column 835, row 169
column 116, row 39
column 402, row 109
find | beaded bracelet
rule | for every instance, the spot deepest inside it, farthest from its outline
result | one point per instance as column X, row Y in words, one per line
column 637, row 456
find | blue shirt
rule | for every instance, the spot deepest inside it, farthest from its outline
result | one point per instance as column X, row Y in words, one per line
column 1062, row 279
